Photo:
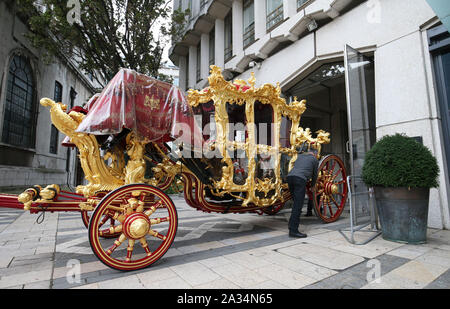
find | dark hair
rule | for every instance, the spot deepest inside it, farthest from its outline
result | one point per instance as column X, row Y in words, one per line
column 303, row 148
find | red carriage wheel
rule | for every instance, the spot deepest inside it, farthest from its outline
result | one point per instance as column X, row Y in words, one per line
column 148, row 224
column 330, row 192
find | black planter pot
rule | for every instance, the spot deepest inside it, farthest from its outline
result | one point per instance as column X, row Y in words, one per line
column 403, row 214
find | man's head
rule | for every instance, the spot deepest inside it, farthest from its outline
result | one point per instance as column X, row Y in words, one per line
column 303, row 148
column 313, row 151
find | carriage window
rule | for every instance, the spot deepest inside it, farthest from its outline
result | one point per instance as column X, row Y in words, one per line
column 19, row 113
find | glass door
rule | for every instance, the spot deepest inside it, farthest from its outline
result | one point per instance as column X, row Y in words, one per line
column 359, row 72
column 360, row 90
column 439, row 44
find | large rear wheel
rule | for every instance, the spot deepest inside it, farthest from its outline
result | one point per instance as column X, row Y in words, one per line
column 330, row 192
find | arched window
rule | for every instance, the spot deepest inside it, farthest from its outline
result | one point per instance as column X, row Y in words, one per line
column 19, row 110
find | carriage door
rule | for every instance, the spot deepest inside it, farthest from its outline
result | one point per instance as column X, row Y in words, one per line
column 360, row 91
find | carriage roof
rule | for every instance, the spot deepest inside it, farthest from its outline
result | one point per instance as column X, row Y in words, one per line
column 145, row 105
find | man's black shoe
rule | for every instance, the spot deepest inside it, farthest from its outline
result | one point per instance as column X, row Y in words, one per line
column 309, row 214
column 297, row 234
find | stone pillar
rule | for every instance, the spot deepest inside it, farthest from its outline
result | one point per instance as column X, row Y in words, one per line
column 204, row 47
column 220, row 43
column 192, row 76
column 260, row 18
column 238, row 26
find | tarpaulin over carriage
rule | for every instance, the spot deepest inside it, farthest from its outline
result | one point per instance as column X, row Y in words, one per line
column 156, row 110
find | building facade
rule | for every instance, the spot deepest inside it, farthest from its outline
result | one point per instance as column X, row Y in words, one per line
column 308, row 45
column 30, row 146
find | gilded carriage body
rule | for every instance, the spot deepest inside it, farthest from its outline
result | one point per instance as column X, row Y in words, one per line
column 230, row 145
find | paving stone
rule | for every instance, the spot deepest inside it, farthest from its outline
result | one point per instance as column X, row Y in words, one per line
column 412, row 275
column 221, row 251
column 220, row 284
column 442, row 282
column 125, row 282
column 329, row 258
column 195, row 273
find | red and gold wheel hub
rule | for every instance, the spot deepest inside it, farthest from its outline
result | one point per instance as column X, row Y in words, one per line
column 136, row 226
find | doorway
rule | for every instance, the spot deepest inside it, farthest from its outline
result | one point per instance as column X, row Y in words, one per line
column 439, row 44
column 324, row 89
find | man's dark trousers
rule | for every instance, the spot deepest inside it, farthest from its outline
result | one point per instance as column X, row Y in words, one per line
column 297, row 186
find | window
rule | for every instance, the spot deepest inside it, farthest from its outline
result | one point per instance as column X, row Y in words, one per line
column 199, row 63
column 203, row 3
column 58, row 92
column 187, row 73
column 54, row 134
column 19, row 112
column 301, row 2
column 212, row 46
column 73, row 96
column 228, row 37
column 274, row 13
column 249, row 22
column 190, row 9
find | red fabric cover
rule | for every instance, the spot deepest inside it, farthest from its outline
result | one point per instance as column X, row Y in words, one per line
column 154, row 109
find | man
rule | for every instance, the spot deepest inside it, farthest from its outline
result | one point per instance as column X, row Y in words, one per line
column 305, row 168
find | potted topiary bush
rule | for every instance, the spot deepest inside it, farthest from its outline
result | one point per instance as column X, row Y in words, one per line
column 402, row 171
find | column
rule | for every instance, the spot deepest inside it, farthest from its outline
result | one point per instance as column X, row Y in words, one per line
column 238, row 26
column 260, row 18
column 205, row 55
column 220, row 43
column 192, row 76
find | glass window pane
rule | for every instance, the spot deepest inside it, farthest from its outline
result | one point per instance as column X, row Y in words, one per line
column 18, row 120
column 272, row 5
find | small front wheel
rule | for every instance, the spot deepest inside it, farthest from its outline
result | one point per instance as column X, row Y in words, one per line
column 148, row 224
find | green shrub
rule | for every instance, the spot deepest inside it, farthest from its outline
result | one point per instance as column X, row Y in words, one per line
column 400, row 161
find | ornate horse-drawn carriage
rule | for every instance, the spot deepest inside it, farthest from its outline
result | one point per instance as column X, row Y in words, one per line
column 231, row 145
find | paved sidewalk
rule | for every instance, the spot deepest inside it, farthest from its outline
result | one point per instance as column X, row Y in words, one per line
column 216, row 251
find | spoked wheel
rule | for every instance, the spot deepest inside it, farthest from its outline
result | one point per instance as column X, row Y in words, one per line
column 330, row 192
column 107, row 225
column 148, row 224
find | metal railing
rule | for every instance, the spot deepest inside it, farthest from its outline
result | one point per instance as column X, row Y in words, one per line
column 249, row 34
column 228, row 53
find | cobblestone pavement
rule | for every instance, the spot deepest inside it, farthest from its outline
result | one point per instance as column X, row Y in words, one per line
column 220, row 251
